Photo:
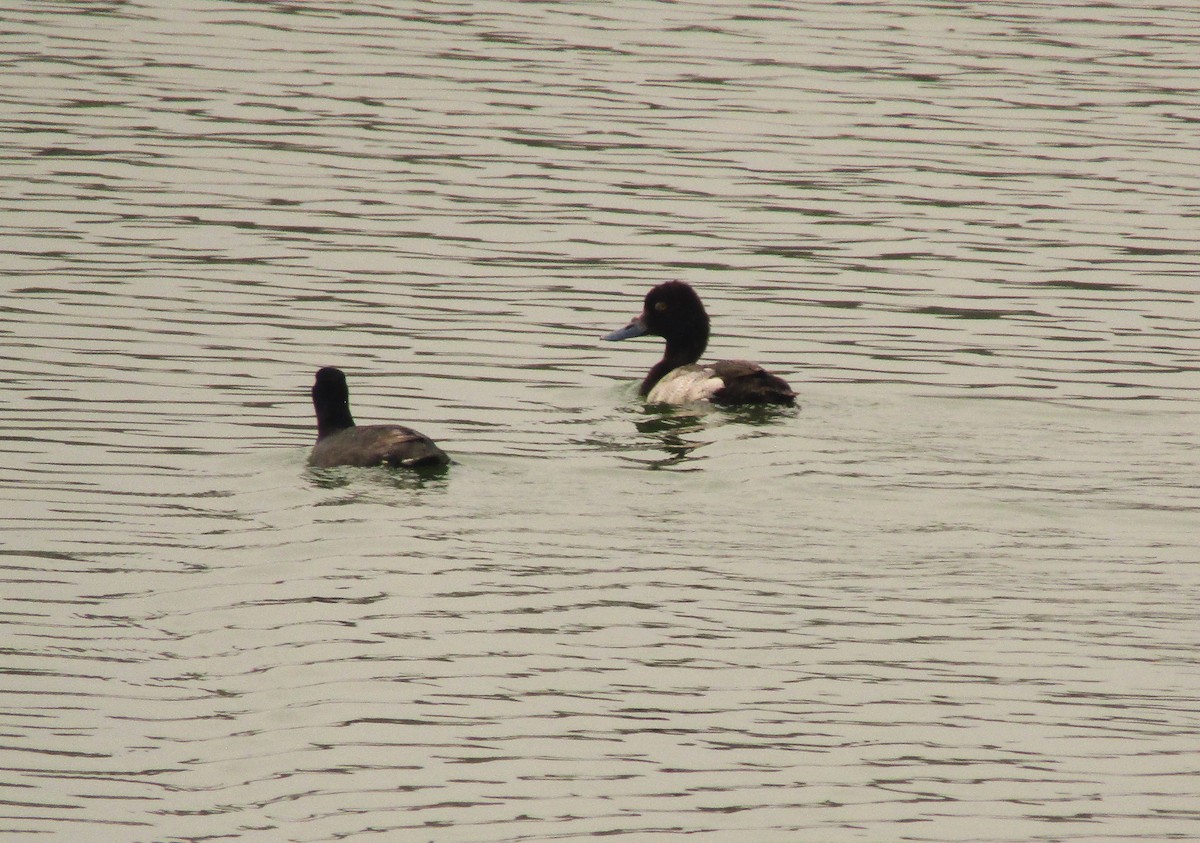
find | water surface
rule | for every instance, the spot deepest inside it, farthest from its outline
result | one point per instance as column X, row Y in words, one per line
column 953, row 596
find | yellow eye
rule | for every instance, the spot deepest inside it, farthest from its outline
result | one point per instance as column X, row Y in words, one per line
column 660, row 306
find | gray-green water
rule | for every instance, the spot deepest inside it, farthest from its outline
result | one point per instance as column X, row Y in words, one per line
column 953, row 597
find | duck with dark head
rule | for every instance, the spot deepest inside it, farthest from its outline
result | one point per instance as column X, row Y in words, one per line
column 674, row 312
column 341, row 442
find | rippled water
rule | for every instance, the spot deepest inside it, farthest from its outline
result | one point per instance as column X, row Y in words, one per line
column 952, row 597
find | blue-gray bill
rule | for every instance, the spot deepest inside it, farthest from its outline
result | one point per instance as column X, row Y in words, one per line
column 636, row 328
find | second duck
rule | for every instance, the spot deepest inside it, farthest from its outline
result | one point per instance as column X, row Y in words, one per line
column 673, row 311
column 341, row 442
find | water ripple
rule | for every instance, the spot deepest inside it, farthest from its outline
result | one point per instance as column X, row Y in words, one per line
column 950, row 597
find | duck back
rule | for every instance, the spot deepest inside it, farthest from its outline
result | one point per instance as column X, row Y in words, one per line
column 373, row 445
column 746, row 382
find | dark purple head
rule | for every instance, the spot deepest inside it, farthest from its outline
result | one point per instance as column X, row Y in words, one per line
column 672, row 311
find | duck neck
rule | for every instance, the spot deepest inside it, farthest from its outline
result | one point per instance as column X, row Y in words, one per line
column 333, row 418
column 680, row 352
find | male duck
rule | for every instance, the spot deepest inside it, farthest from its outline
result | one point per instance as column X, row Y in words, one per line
column 673, row 311
column 341, row 442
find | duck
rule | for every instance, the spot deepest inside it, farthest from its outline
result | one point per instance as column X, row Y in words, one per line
column 341, row 442
column 673, row 311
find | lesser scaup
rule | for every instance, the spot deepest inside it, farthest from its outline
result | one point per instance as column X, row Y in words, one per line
column 673, row 311
column 341, row 442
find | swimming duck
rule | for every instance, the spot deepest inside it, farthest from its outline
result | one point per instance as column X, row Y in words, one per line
column 673, row 311
column 341, row 442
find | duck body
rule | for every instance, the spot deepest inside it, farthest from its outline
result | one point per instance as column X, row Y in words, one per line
column 341, row 442
column 726, row 382
column 674, row 312
column 685, row 384
column 371, row 445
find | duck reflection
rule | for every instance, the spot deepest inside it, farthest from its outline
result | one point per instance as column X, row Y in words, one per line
column 674, row 432
column 681, row 431
column 366, row 481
